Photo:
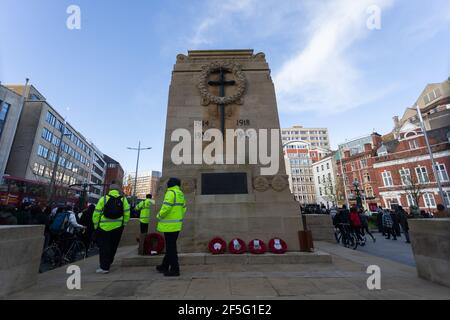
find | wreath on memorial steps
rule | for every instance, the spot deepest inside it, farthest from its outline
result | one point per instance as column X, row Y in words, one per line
column 257, row 246
column 237, row 246
column 277, row 245
column 153, row 244
column 217, row 246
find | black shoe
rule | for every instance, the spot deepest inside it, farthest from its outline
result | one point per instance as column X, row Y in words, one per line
column 172, row 273
column 408, row 241
column 161, row 269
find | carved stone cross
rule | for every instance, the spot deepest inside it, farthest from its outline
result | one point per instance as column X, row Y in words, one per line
column 222, row 83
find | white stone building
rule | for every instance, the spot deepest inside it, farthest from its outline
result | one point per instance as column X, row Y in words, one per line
column 324, row 172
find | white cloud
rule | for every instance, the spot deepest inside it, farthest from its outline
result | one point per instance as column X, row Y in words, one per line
column 322, row 77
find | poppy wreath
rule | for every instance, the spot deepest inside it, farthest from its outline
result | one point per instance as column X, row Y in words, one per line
column 277, row 245
column 237, row 246
column 257, row 246
column 154, row 242
column 217, row 246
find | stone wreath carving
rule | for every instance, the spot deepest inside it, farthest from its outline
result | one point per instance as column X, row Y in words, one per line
column 188, row 186
column 261, row 184
column 241, row 83
column 279, row 183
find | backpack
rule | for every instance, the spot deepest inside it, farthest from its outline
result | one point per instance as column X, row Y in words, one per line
column 113, row 208
column 59, row 223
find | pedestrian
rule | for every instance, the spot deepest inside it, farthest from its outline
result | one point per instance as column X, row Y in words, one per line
column 144, row 212
column 170, row 222
column 395, row 222
column 355, row 223
column 333, row 211
column 111, row 215
column 380, row 221
column 86, row 220
column 403, row 221
column 365, row 225
column 387, row 225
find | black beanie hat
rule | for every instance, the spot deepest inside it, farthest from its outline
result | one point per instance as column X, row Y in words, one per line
column 173, row 182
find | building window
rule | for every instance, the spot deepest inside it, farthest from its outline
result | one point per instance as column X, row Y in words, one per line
column 4, row 108
column 52, row 156
column 51, row 118
column 410, row 199
column 42, row 152
column 447, row 198
column 422, row 175
column 47, row 135
column 413, row 144
column 442, row 172
column 429, row 200
column 405, row 176
column 387, row 179
column 353, row 166
column 369, row 192
column 366, row 177
column 364, row 163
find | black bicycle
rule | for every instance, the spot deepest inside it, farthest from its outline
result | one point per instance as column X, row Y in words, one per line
column 345, row 235
column 63, row 250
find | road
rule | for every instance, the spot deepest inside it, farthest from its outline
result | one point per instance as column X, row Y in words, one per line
column 398, row 251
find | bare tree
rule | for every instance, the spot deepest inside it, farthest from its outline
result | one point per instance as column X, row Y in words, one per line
column 413, row 188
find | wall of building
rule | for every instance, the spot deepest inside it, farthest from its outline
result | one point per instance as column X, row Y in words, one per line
column 11, row 122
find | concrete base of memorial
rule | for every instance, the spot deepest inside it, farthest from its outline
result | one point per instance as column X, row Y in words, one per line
column 430, row 239
column 20, row 256
column 134, row 260
column 321, row 227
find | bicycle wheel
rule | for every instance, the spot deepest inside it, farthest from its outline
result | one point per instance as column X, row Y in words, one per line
column 50, row 259
column 354, row 241
column 76, row 252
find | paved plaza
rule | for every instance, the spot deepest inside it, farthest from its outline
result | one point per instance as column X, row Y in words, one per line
column 345, row 278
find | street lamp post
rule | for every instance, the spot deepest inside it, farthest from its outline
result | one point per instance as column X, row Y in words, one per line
column 358, row 195
column 430, row 152
column 55, row 166
column 138, row 149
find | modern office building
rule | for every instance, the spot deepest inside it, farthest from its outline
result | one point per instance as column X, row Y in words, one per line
column 42, row 137
column 316, row 137
column 10, row 108
column 146, row 183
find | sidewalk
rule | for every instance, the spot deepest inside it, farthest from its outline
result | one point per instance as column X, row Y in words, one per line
column 345, row 278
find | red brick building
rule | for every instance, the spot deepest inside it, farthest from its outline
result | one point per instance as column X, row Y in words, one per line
column 404, row 172
column 114, row 171
column 354, row 162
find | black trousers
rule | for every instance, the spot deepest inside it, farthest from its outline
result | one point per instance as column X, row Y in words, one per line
column 107, row 242
column 170, row 261
column 366, row 229
column 144, row 227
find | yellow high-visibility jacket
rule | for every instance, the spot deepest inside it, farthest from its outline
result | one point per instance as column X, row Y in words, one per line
column 170, row 217
column 144, row 208
column 110, row 224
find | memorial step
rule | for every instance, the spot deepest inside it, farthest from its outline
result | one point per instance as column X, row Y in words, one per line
column 135, row 260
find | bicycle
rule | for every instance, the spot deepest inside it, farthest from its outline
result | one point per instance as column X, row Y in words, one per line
column 56, row 254
column 346, row 235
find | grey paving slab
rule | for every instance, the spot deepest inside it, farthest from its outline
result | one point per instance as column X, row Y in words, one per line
column 258, row 287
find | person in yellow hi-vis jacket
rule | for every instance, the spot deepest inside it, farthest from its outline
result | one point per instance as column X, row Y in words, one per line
column 170, row 222
column 144, row 212
column 111, row 215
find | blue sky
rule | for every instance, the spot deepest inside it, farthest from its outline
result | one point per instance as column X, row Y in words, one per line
column 111, row 78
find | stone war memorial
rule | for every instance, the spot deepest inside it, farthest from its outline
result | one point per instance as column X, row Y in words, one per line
column 226, row 98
